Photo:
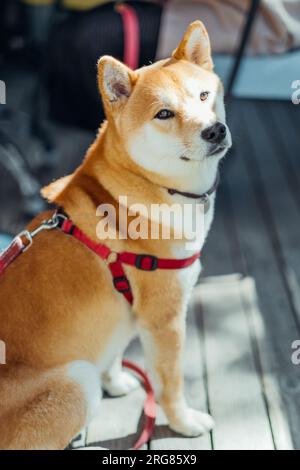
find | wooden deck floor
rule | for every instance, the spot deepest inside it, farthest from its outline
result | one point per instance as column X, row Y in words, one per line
column 245, row 313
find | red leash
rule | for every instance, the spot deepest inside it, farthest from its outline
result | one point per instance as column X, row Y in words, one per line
column 11, row 253
column 149, row 406
column 131, row 35
column 23, row 241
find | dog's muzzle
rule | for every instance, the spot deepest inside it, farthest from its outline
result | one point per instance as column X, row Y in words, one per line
column 216, row 136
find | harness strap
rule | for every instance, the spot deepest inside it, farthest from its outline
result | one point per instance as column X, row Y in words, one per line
column 120, row 280
column 151, row 263
column 115, row 260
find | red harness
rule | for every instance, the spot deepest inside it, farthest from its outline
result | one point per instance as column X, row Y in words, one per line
column 113, row 260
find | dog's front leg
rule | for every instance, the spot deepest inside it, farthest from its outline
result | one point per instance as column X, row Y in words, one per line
column 163, row 343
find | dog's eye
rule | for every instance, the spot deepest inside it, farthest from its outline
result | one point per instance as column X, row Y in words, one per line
column 204, row 95
column 164, row 114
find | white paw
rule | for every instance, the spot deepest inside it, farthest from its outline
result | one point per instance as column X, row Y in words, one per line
column 122, row 384
column 193, row 423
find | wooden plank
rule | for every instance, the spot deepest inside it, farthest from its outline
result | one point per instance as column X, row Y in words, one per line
column 234, row 385
column 277, row 190
column 270, row 387
column 260, row 258
column 194, row 367
column 284, row 124
column 290, row 120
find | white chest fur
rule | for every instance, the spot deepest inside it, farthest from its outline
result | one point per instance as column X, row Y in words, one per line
column 188, row 276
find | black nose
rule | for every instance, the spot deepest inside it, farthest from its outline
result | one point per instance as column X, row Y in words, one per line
column 214, row 134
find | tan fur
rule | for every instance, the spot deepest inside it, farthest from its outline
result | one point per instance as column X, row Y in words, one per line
column 58, row 304
column 34, row 406
column 51, row 191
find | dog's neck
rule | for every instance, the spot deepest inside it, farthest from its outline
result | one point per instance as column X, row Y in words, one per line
column 101, row 180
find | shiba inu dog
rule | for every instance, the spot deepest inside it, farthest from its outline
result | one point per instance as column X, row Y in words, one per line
column 64, row 324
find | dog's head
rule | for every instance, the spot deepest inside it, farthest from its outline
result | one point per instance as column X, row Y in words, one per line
column 170, row 116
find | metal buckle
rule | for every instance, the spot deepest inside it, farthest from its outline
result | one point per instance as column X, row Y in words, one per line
column 206, row 202
column 204, row 199
column 49, row 224
column 112, row 258
column 28, row 237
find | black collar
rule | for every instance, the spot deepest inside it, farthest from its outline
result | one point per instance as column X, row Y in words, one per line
column 203, row 196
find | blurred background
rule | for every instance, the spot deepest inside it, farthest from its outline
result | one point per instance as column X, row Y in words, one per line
column 48, row 53
column 50, row 111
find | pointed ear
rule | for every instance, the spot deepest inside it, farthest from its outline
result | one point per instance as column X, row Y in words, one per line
column 116, row 81
column 195, row 46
